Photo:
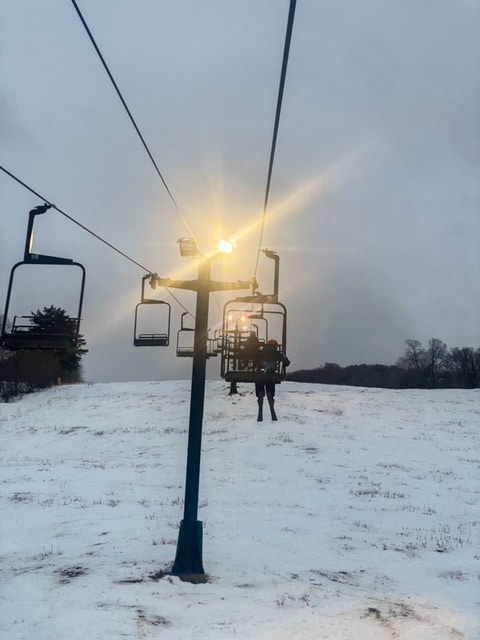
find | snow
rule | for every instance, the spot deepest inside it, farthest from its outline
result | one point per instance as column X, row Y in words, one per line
column 355, row 516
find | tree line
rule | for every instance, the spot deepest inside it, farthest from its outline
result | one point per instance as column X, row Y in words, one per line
column 432, row 367
column 27, row 370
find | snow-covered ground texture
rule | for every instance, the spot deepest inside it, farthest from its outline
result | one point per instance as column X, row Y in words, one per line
column 354, row 517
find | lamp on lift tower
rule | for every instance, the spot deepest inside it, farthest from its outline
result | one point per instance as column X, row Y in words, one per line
column 188, row 248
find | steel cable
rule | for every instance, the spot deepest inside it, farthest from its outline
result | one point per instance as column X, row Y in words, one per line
column 132, row 119
column 283, row 74
column 85, row 228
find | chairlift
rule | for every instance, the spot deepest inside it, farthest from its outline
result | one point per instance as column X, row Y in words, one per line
column 143, row 317
column 242, row 362
column 212, row 345
column 24, row 333
column 216, row 342
column 185, row 339
column 248, row 323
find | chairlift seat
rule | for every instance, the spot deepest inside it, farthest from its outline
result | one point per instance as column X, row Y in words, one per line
column 151, row 340
column 185, row 352
column 18, row 340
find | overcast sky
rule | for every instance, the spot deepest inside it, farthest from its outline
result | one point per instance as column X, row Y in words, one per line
column 375, row 199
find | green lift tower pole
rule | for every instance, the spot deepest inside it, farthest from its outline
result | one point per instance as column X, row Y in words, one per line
column 188, row 558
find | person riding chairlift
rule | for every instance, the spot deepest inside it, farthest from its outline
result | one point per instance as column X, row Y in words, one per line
column 250, row 349
column 268, row 387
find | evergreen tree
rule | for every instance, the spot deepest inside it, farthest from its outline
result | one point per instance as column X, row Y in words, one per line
column 52, row 320
column 55, row 320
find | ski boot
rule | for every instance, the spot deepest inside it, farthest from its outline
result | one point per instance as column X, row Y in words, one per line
column 260, row 409
column 271, row 402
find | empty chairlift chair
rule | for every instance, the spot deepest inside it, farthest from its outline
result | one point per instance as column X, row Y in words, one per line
column 152, row 321
column 27, row 331
column 185, row 339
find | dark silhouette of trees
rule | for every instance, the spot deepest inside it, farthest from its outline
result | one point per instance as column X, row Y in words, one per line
column 414, row 361
column 464, row 364
column 55, row 320
column 419, row 368
column 25, row 370
column 428, row 367
column 436, row 363
column 357, row 375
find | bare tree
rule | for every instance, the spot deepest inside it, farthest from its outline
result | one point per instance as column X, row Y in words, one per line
column 435, row 363
column 465, row 365
column 414, row 360
column 429, row 366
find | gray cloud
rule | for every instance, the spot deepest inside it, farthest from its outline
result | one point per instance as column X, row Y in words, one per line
column 378, row 140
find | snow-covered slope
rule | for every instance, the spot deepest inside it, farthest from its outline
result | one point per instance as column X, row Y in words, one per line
column 355, row 516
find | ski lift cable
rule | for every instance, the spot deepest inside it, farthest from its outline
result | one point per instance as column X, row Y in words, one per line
column 286, row 52
column 72, row 219
column 129, row 113
column 92, row 233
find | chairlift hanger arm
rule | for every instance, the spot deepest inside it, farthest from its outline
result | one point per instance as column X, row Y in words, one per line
column 153, row 284
column 29, row 238
column 38, row 258
column 276, row 258
column 269, row 298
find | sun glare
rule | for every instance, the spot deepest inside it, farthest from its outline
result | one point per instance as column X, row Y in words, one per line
column 226, row 246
